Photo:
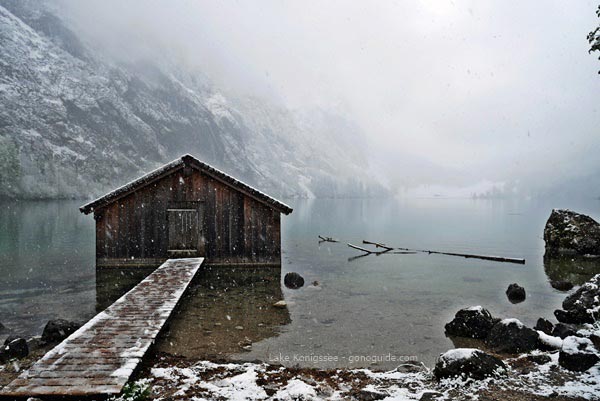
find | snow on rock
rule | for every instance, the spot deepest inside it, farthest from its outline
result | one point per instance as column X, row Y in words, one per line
column 297, row 390
column 550, row 341
column 510, row 321
column 576, row 345
column 578, row 354
column 458, row 354
column 468, row 363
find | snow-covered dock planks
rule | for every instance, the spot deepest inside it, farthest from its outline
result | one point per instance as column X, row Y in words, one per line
column 99, row 358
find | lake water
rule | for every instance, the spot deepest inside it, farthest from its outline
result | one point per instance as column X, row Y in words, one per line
column 367, row 309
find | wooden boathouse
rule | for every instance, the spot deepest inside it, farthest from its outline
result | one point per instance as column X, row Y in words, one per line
column 187, row 208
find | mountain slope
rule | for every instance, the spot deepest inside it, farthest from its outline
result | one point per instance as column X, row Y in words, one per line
column 74, row 124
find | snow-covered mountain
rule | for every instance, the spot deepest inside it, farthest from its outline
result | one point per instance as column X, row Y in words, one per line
column 73, row 123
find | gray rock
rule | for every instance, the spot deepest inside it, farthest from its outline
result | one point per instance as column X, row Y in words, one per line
column 540, row 359
column 578, row 354
column 570, row 233
column 564, row 330
column 511, row 336
column 368, row 395
column 468, row 363
column 579, row 307
column 58, row 329
column 431, row 396
column 293, row 280
column 473, row 322
column 15, row 348
column 515, row 293
column 595, row 339
column 544, row 325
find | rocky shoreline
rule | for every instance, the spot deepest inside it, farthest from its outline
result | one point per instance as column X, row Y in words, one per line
column 515, row 362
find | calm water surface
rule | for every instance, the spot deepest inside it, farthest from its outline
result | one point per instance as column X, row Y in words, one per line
column 374, row 306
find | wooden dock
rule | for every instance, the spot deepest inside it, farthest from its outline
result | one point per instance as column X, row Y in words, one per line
column 99, row 358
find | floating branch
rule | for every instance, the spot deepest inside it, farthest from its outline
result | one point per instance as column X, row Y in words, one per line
column 327, row 239
column 360, row 249
column 378, row 245
column 470, row 256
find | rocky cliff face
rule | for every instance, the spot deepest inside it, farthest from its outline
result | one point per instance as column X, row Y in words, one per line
column 73, row 124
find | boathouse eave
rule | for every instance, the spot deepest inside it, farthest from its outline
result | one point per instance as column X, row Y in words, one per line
column 180, row 163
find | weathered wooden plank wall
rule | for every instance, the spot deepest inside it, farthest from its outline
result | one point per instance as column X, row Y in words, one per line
column 236, row 229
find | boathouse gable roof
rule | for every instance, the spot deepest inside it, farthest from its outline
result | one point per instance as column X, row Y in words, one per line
column 177, row 164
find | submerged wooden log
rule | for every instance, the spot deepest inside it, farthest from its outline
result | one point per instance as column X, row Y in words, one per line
column 327, row 239
column 520, row 261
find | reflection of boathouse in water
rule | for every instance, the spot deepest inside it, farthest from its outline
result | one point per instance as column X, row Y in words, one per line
column 187, row 209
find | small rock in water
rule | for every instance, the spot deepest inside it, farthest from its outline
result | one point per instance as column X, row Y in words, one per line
column 468, row 363
column 58, row 329
column 293, row 280
column 561, row 285
column 3, row 328
column 473, row 322
column 280, row 304
column 564, row 330
column 515, row 293
column 315, row 283
column 578, row 354
column 544, row 325
column 512, row 337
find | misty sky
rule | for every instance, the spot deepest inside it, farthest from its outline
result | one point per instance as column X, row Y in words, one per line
column 476, row 89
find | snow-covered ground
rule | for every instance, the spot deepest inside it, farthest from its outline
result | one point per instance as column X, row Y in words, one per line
column 252, row 381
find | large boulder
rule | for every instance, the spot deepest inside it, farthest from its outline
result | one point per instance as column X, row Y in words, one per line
column 58, row 329
column 570, row 233
column 578, row 354
column 583, row 305
column 511, row 336
column 515, row 293
column 468, row 363
column 473, row 322
column 293, row 280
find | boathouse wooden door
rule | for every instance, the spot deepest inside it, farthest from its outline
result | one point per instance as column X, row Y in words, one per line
column 185, row 230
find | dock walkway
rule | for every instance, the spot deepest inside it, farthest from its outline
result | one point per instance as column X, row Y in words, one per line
column 99, row 358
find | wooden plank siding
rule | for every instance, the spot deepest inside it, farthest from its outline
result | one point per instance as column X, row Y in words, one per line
column 237, row 229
